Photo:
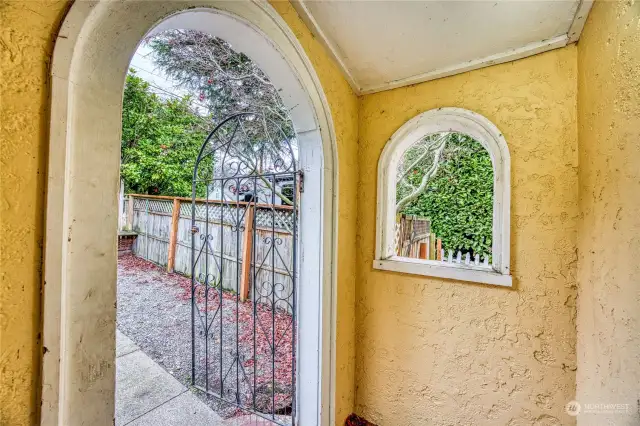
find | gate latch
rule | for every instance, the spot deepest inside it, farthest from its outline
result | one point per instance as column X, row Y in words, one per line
column 194, row 230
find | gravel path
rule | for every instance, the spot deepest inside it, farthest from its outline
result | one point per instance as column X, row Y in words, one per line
column 154, row 311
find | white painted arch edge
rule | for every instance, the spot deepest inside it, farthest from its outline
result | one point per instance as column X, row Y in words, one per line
column 85, row 21
column 429, row 122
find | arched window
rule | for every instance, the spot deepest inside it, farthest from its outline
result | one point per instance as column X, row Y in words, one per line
column 444, row 199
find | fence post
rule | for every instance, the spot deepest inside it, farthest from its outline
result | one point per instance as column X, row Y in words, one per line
column 173, row 235
column 439, row 249
column 246, row 253
column 130, row 214
column 146, row 228
column 121, row 225
column 432, row 246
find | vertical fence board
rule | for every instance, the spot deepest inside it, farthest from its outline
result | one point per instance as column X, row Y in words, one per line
column 130, row 213
column 432, row 246
column 165, row 228
column 423, row 251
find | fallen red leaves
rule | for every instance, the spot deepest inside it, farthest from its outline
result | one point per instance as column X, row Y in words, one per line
column 268, row 367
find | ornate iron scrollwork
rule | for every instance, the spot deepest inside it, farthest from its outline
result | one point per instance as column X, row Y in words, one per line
column 244, row 267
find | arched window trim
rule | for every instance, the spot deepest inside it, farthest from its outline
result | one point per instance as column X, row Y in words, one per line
column 482, row 130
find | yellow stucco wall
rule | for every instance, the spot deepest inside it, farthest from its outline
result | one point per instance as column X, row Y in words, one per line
column 609, row 231
column 438, row 352
column 429, row 351
column 26, row 43
column 27, row 33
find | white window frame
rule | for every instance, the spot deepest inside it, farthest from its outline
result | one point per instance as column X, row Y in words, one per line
column 484, row 131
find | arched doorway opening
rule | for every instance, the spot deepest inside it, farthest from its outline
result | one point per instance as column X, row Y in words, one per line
column 90, row 62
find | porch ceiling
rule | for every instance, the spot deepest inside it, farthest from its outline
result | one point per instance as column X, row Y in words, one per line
column 385, row 44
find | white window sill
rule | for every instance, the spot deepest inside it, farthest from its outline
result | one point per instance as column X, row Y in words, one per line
column 472, row 273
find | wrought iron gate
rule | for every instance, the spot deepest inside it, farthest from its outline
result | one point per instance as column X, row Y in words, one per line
column 244, row 268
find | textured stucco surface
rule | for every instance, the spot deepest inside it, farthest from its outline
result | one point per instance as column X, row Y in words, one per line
column 26, row 41
column 440, row 352
column 28, row 32
column 430, row 351
column 609, row 229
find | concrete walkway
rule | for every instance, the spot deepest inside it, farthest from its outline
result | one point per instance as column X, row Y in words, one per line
column 147, row 395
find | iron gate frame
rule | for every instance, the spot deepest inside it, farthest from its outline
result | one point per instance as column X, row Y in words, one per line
column 290, row 170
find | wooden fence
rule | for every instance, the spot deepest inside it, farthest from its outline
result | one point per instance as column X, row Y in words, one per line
column 414, row 239
column 164, row 229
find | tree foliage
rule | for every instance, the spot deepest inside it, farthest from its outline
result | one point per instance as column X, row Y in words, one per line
column 160, row 142
column 225, row 80
column 458, row 198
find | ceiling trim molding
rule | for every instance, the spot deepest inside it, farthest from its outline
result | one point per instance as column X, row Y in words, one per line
column 474, row 64
column 580, row 17
column 310, row 22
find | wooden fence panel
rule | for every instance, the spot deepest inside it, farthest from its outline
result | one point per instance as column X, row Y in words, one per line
column 152, row 220
column 267, row 277
column 414, row 239
column 153, row 236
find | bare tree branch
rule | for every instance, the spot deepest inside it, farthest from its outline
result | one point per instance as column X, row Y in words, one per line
column 228, row 81
column 428, row 150
column 425, row 179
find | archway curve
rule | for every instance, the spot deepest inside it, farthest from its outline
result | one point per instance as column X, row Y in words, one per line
column 90, row 61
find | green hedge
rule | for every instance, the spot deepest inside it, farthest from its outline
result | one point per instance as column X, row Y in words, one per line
column 459, row 198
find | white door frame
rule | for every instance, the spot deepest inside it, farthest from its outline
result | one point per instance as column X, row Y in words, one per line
column 91, row 57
